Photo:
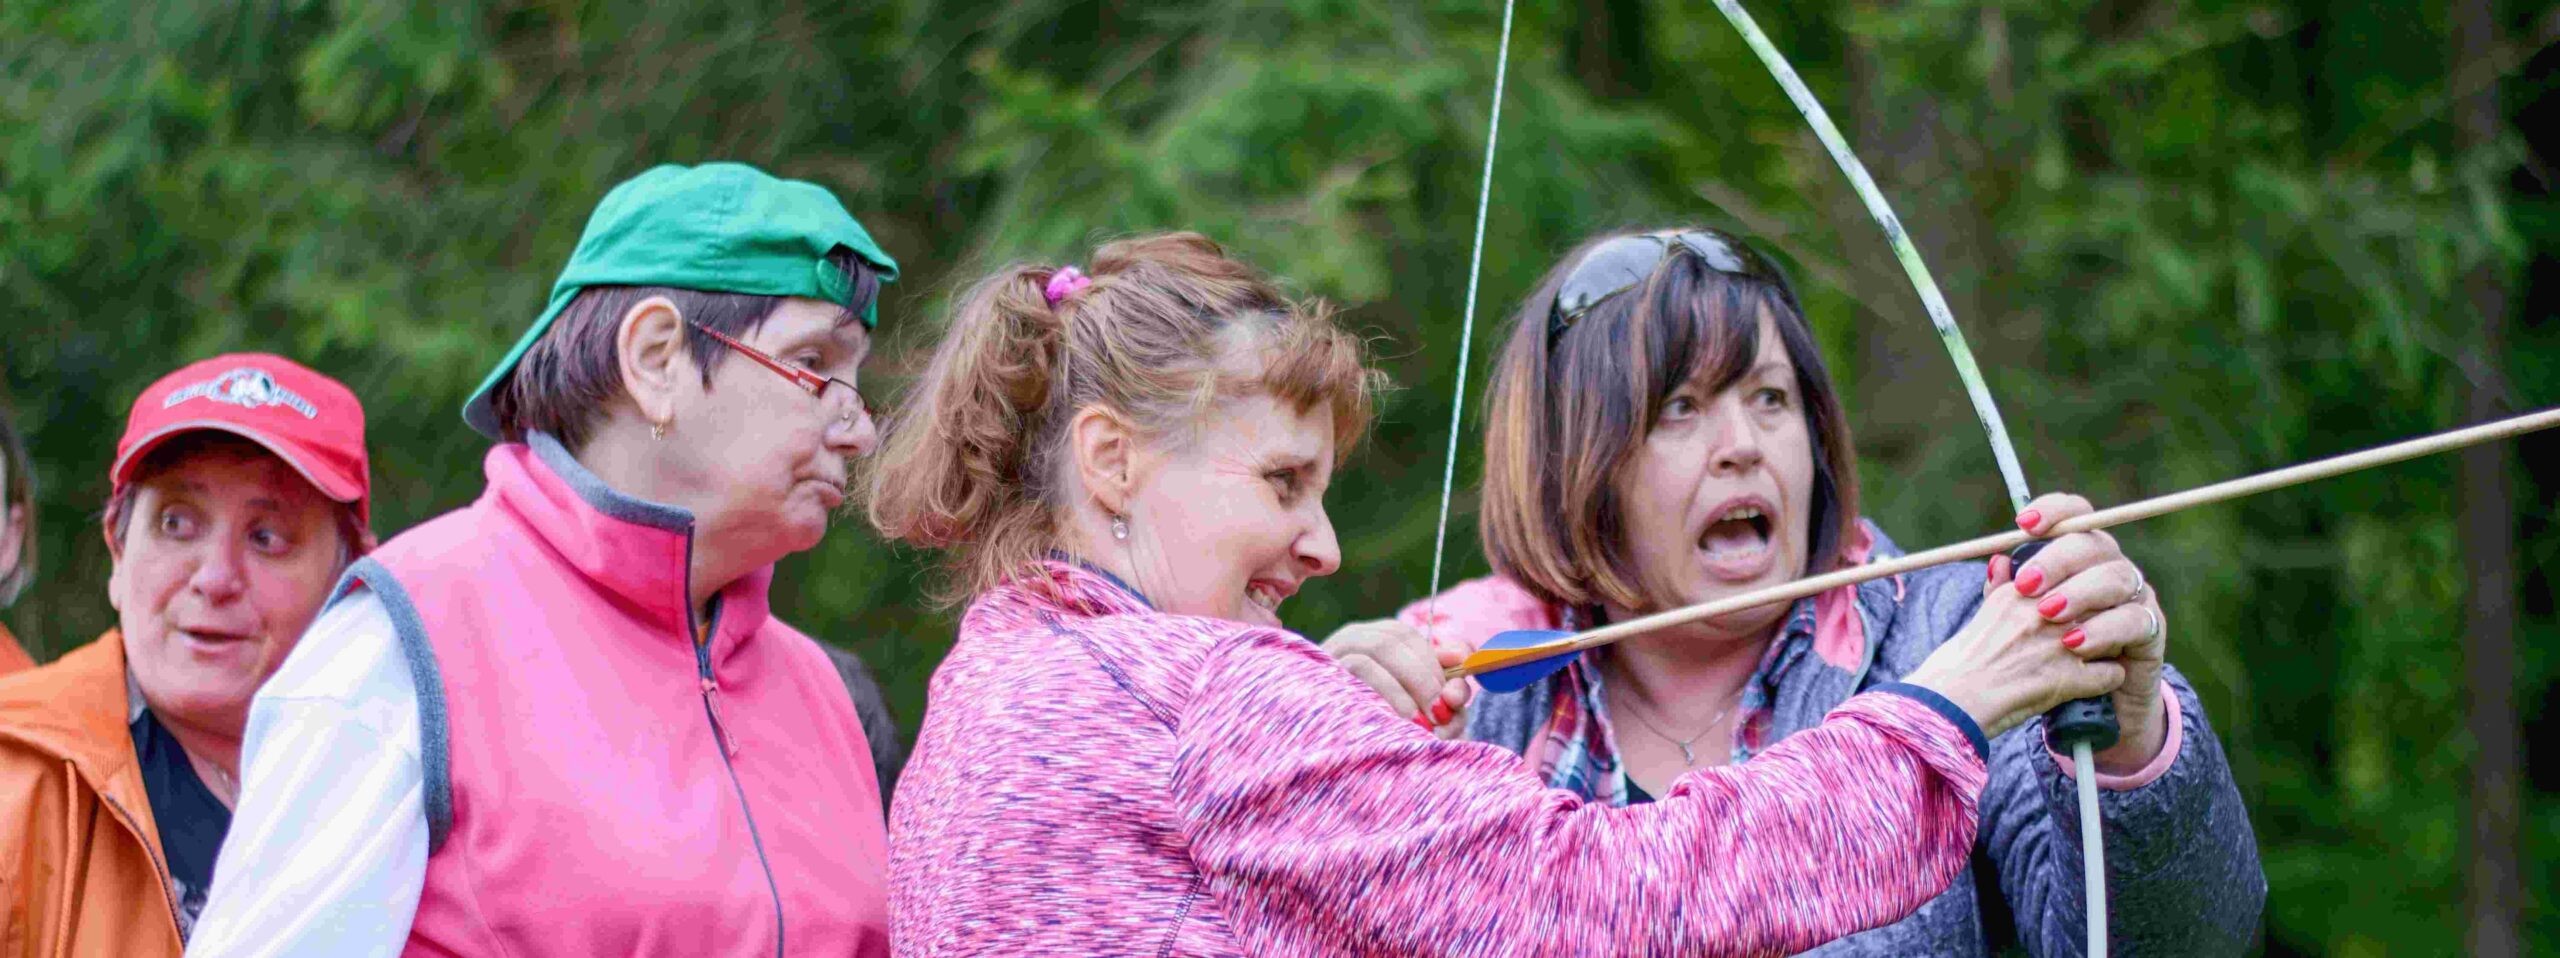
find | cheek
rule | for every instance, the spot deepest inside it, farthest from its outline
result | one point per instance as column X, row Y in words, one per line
column 753, row 469
column 141, row 585
column 1659, row 485
column 289, row 596
column 1796, row 472
column 1214, row 533
column 1191, row 520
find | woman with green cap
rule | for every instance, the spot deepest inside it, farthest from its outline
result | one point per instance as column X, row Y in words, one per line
column 562, row 720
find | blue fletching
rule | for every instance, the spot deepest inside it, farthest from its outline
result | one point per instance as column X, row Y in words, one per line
column 1512, row 678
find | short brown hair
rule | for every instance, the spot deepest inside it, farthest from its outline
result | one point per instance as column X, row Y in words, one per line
column 1567, row 412
column 17, row 498
column 352, row 532
column 974, row 459
column 563, row 382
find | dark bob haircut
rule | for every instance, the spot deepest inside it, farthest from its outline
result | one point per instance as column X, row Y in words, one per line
column 1566, row 413
column 562, row 384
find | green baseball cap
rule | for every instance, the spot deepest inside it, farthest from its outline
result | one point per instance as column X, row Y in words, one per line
column 718, row 227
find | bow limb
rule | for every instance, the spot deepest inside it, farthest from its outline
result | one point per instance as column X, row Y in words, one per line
column 1922, row 282
column 2080, row 722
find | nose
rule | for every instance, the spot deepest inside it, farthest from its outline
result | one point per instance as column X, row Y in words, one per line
column 1737, row 439
column 219, row 576
column 1319, row 553
column 859, row 437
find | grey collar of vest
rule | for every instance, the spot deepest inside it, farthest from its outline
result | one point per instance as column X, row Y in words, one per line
column 603, row 498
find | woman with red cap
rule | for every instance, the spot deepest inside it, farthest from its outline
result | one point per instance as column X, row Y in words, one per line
column 239, row 493
column 563, row 719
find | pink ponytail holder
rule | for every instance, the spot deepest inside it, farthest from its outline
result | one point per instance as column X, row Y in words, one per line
column 1067, row 281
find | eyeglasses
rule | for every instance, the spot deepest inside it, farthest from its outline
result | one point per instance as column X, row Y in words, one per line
column 828, row 389
column 1626, row 262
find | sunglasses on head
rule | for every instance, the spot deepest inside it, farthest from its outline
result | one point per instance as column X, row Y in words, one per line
column 1625, row 263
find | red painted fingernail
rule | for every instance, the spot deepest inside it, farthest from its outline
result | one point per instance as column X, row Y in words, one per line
column 2027, row 520
column 2053, row 606
column 2030, row 580
column 1421, row 719
column 1440, row 713
column 2073, row 638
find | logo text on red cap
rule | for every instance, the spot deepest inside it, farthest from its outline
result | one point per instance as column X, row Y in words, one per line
column 247, row 388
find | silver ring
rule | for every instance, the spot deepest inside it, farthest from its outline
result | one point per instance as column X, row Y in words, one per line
column 2141, row 586
column 2154, row 631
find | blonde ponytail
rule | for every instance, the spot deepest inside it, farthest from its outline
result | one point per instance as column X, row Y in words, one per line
column 973, row 462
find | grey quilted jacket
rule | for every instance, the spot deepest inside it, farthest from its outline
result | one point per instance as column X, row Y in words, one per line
column 2182, row 863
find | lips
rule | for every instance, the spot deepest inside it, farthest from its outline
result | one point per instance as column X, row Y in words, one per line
column 1267, row 594
column 215, row 642
column 832, row 490
column 1737, row 543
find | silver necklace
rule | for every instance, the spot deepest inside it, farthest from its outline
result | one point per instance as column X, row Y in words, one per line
column 1688, row 757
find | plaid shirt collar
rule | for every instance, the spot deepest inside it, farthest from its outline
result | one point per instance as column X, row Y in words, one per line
column 1577, row 749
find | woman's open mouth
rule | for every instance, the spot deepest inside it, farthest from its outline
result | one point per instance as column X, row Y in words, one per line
column 1737, row 544
column 1267, row 595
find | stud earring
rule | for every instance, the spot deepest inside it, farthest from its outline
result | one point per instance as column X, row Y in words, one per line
column 1119, row 528
column 657, row 431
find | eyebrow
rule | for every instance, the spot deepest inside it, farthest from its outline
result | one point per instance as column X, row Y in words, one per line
column 835, row 337
column 199, row 487
column 1314, row 466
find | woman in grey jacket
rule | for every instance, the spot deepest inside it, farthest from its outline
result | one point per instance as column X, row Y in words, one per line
column 1662, row 432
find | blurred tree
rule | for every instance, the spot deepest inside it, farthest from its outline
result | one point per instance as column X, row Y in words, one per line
column 2492, row 883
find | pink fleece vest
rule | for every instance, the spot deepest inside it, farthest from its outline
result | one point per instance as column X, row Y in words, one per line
column 596, row 783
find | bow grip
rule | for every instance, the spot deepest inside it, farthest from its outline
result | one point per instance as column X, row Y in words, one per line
column 2091, row 720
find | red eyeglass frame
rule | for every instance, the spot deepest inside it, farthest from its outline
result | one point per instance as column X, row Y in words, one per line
column 814, row 383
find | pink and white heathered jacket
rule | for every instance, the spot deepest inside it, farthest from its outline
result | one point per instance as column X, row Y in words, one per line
column 1094, row 777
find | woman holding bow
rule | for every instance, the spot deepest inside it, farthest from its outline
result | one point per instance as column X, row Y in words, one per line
column 1126, row 754
column 1662, row 431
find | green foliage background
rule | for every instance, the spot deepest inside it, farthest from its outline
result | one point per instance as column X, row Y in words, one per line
column 2192, row 238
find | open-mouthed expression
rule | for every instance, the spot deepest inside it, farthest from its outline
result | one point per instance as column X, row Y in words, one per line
column 226, row 558
column 1231, row 524
column 1719, row 498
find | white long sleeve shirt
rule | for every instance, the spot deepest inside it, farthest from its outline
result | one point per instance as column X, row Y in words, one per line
column 327, row 851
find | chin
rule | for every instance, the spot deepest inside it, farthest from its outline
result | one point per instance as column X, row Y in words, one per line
column 795, row 527
column 216, row 701
column 808, row 531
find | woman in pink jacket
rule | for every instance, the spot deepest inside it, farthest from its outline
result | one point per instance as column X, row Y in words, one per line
column 1126, row 754
column 564, row 720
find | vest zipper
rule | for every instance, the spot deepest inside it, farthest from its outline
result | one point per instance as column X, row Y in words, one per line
column 728, row 751
column 711, row 701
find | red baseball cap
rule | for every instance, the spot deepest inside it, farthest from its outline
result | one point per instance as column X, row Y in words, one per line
column 310, row 421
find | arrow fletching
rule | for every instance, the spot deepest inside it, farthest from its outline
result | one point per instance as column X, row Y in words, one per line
column 1533, row 654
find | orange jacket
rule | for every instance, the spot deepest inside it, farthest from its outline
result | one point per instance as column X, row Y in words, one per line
column 13, row 659
column 81, row 869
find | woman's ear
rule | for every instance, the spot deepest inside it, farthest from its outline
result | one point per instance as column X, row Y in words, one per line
column 1107, row 454
column 13, row 535
column 115, row 575
column 649, row 349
